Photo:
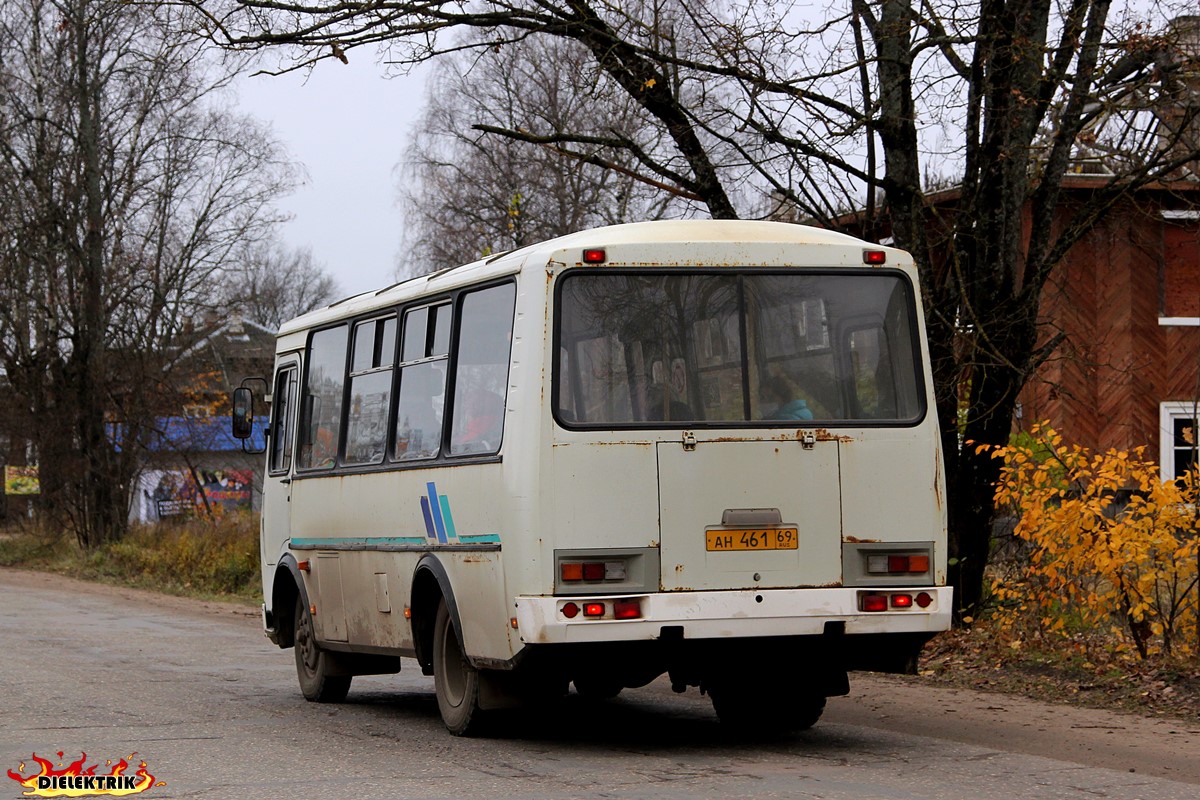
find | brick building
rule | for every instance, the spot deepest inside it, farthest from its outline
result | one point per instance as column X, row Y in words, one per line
column 1127, row 296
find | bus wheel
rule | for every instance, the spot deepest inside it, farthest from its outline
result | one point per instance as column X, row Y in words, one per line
column 750, row 712
column 455, row 681
column 806, row 711
column 312, row 664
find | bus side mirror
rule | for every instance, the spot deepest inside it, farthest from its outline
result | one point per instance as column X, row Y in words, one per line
column 243, row 413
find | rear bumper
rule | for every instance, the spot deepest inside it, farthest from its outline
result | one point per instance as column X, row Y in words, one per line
column 732, row 614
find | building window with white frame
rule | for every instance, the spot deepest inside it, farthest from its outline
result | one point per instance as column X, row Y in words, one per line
column 1179, row 271
column 1177, row 437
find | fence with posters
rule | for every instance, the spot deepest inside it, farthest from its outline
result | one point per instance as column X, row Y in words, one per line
column 174, row 493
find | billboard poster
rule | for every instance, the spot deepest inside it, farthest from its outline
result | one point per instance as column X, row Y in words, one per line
column 176, row 493
column 21, row 480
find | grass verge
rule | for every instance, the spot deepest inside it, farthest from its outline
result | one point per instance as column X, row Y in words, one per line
column 197, row 558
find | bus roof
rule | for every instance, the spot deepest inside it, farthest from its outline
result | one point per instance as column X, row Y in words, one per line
column 690, row 240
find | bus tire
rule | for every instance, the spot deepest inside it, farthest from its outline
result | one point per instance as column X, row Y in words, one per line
column 312, row 663
column 806, row 712
column 455, row 681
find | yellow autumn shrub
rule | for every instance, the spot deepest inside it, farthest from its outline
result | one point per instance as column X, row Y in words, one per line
column 1111, row 547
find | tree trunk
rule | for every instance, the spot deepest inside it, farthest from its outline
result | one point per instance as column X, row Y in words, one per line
column 98, row 484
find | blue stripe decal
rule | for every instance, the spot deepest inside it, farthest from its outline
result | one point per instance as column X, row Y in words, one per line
column 359, row 540
column 429, row 532
column 447, row 517
column 481, row 538
column 436, row 508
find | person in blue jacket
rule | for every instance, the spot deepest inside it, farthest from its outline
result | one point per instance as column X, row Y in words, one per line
column 775, row 389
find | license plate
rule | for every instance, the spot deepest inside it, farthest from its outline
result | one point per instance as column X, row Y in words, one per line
column 748, row 539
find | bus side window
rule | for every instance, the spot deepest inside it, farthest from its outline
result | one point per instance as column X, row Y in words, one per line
column 321, row 425
column 481, row 370
column 424, row 352
column 370, row 390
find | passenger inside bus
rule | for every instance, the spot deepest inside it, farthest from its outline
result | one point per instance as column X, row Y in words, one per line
column 322, row 452
column 782, row 404
column 479, row 421
column 660, row 408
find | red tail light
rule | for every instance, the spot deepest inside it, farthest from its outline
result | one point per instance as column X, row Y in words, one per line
column 627, row 609
column 593, row 609
column 593, row 571
column 611, row 571
column 902, row 601
column 896, row 564
column 873, row 602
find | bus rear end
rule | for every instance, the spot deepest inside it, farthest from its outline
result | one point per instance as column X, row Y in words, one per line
column 743, row 488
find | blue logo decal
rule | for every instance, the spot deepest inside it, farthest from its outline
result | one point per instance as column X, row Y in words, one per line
column 439, row 523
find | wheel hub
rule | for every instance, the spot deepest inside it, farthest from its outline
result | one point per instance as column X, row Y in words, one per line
column 304, row 641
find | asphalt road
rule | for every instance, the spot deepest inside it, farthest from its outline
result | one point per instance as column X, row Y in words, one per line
column 212, row 708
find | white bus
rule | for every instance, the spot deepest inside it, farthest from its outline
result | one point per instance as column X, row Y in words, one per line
column 704, row 449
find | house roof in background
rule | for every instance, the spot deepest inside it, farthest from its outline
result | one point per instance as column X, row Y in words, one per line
column 197, row 435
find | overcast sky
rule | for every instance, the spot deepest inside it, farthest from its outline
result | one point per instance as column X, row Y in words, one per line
column 349, row 126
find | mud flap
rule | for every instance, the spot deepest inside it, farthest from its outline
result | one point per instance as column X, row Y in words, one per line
column 360, row 664
column 499, row 690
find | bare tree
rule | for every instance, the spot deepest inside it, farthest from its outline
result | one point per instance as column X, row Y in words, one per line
column 1000, row 98
column 467, row 193
column 124, row 191
column 271, row 283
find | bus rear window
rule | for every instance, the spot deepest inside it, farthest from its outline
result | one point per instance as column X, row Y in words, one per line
column 678, row 349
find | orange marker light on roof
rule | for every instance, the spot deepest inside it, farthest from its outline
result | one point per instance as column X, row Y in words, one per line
column 594, row 255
